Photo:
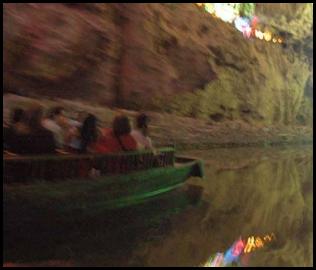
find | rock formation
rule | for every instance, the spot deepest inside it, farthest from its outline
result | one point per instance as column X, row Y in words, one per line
column 163, row 57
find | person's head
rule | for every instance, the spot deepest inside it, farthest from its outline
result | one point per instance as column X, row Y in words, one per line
column 34, row 116
column 17, row 116
column 89, row 131
column 81, row 115
column 142, row 121
column 57, row 114
column 121, row 125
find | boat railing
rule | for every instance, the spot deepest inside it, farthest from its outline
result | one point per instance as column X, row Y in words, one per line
column 59, row 167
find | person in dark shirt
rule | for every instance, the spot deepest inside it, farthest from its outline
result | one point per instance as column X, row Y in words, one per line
column 17, row 124
column 35, row 139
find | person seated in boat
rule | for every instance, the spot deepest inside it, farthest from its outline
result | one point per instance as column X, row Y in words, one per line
column 56, row 122
column 88, row 134
column 140, row 133
column 33, row 138
column 117, row 139
column 73, row 136
column 17, row 124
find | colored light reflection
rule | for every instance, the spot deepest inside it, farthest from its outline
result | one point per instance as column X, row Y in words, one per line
column 229, row 12
column 258, row 34
column 267, row 36
column 209, row 7
column 225, row 11
column 238, row 250
column 234, row 252
column 241, row 23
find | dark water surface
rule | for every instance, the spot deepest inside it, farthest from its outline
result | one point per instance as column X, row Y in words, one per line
column 246, row 192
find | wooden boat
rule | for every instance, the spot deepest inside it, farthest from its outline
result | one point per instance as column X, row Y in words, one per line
column 124, row 178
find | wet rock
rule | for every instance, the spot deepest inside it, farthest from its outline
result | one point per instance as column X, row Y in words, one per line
column 159, row 57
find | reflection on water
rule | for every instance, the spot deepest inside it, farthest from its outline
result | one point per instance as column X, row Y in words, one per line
column 239, row 251
column 246, row 192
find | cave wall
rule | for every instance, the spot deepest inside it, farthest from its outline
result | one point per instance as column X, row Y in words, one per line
column 164, row 57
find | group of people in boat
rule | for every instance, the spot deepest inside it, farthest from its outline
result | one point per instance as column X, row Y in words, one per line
column 29, row 132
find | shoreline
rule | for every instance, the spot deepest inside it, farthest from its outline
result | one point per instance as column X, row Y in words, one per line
column 184, row 147
column 185, row 133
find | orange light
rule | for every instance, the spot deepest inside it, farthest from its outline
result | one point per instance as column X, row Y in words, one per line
column 279, row 40
column 199, row 4
column 267, row 36
column 267, row 238
column 259, row 242
column 250, row 245
column 254, row 243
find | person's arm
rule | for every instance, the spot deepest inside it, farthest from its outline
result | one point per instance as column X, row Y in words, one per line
column 62, row 152
column 60, row 139
column 149, row 143
column 136, row 146
column 9, row 154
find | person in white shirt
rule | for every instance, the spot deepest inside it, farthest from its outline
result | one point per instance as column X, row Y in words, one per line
column 73, row 140
column 140, row 134
column 56, row 123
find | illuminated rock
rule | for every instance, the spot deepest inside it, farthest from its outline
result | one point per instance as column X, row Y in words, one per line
column 163, row 57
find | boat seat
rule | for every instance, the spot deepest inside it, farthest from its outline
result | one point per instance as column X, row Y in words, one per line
column 59, row 167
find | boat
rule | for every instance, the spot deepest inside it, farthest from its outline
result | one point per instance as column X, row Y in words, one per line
column 120, row 179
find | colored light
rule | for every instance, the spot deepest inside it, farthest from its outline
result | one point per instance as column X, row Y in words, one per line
column 234, row 252
column 267, row 238
column 209, row 7
column 241, row 23
column 218, row 260
column 229, row 12
column 258, row 242
column 250, row 245
column 225, row 12
column 247, row 31
column 267, row 36
column 259, row 34
column 237, row 249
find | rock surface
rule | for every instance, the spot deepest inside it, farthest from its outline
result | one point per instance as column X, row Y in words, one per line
column 161, row 57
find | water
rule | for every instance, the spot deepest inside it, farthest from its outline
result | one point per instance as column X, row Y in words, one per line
column 246, row 192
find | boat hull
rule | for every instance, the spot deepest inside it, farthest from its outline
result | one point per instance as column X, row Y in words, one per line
column 105, row 192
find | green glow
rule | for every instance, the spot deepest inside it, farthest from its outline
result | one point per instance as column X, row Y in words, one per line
column 247, row 9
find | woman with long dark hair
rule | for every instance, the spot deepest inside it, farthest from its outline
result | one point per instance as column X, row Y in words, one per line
column 88, row 133
column 141, row 132
column 117, row 139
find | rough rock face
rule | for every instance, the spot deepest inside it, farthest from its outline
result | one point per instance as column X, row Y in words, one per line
column 163, row 57
column 295, row 18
